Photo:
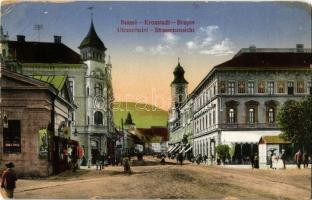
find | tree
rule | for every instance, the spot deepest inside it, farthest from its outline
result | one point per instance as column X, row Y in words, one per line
column 295, row 121
column 223, row 151
column 129, row 119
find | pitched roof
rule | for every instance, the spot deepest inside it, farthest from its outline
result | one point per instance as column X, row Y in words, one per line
column 92, row 40
column 273, row 140
column 57, row 81
column 269, row 60
column 42, row 52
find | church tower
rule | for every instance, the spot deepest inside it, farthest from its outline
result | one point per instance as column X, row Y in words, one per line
column 178, row 86
column 98, row 88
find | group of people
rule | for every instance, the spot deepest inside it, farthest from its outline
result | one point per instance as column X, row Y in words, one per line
column 279, row 161
column 302, row 159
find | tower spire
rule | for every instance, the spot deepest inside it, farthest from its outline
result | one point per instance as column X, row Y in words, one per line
column 91, row 12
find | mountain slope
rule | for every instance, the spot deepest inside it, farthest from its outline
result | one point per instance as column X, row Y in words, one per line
column 143, row 115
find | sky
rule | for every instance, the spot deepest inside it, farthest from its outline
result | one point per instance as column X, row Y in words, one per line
column 143, row 63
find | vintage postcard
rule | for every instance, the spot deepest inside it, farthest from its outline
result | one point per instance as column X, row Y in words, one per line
column 155, row 99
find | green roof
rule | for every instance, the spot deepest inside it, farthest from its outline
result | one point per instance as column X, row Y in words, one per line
column 57, row 81
column 274, row 140
column 92, row 40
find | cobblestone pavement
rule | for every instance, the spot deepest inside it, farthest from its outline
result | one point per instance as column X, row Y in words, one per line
column 170, row 181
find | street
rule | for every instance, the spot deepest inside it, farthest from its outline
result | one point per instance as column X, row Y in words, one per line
column 170, row 181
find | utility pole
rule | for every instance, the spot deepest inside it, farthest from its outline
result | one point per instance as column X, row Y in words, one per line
column 38, row 27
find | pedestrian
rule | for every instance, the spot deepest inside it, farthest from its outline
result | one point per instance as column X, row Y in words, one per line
column 298, row 158
column 252, row 161
column 103, row 160
column 205, row 158
column 271, row 160
column 256, row 161
column 98, row 162
column 305, row 159
column 180, row 158
column 283, row 158
column 8, row 180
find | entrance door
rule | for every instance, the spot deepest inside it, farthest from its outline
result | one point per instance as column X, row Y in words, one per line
column 94, row 150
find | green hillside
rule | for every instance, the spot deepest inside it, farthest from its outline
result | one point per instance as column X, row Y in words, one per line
column 143, row 115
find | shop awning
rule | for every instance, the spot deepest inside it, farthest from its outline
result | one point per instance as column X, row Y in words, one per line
column 176, row 149
column 181, row 151
column 171, row 148
column 234, row 137
column 187, row 150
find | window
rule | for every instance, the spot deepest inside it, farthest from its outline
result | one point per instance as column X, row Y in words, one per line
column 222, row 87
column 271, row 115
column 290, row 87
column 251, row 116
column 251, row 86
column 309, row 88
column 71, row 86
column 300, row 87
column 231, row 87
column 12, row 137
column 261, row 87
column 209, row 119
column 98, row 89
column 98, row 118
column 241, row 87
column 280, row 87
column 214, row 117
column 214, row 90
column 271, row 87
column 231, row 115
column 88, row 91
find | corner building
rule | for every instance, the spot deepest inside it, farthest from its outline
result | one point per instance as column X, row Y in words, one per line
column 238, row 101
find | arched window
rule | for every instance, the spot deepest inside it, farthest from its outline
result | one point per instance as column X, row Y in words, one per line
column 98, row 118
column 98, row 89
column 251, row 118
column 271, row 117
column 231, row 115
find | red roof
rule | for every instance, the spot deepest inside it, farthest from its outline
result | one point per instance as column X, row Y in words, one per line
column 155, row 131
column 43, row 52
column 269, row 60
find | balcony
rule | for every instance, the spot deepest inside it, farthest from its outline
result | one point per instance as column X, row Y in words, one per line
column 248, row 126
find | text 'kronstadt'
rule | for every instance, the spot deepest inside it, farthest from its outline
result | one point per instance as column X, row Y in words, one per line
column 164, row 22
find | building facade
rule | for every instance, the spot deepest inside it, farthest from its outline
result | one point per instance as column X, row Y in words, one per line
column 181, row 114
column 90, row 82
column 238, row 101
column 35, row 115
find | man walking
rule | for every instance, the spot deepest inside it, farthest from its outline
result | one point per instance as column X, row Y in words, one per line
column 305, row 159
column 8, row 180
column 298, row 158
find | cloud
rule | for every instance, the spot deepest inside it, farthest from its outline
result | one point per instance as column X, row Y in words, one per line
column 164, row 47
column 225, row 47
column 208, row 41
column 139, row 49
column 170, row 38
column 160, row 49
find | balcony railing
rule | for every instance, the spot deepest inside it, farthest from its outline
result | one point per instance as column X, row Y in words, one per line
column 254, row 125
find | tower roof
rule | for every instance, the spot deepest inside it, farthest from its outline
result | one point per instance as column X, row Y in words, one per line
column 92, row 40
column 179, row 75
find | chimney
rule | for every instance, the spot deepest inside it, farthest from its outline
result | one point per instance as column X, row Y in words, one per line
column 299, row 48
column 20, row 38
column 57, row 39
